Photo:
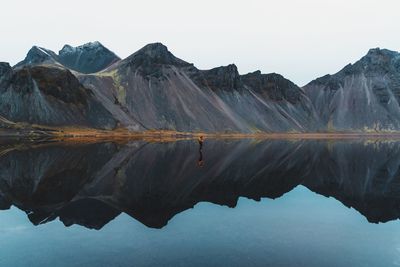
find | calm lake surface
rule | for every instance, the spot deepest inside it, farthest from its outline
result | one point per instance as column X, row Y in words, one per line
column 235, row 203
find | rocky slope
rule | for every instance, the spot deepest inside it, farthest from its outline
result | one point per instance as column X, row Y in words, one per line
column 363, row 96
column 164, row 92
column 49, row 95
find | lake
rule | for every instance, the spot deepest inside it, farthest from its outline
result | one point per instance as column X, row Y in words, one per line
column 234, row 203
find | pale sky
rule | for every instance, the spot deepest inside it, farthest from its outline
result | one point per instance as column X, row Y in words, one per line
column 300, row 39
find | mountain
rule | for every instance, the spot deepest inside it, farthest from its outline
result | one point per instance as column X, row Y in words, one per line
column 152, row 89
column 49, row 95
column 153, row 182
column 364, row 96
column 161, row 91
column 88, row 58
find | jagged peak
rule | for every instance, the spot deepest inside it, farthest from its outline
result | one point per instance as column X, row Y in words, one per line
column 230, row 69
column 155, row 49
column 38, row 55
column 378, row 51
column 378, row 56
column 255, row 73
column 37, row 50
column 258, row 73
column 67, row 49
column 221, row 78
column 96, row 45
column 261, row 78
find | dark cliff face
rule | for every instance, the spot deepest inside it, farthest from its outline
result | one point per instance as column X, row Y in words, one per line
column 222, row 78
column 154, row 182
column 273, row 86
column 51, row 96
column 87, row 58
column 264, row 102
column 363, row 96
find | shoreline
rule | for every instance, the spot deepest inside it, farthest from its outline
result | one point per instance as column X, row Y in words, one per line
column 60, row 134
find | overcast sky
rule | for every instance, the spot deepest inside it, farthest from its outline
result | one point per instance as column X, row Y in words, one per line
column 300, row 39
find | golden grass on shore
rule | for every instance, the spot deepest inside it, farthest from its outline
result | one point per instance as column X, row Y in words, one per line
column 78, row 134
column 166, row 136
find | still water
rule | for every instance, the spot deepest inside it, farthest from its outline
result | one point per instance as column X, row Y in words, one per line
column 235, row 203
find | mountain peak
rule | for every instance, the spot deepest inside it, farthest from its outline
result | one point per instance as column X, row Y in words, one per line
column 87, row 58
column 96, row 45
column 67, row 49
column 38, row 55
column 377, row 56
column 155, row 50
column 378, row 51
column 156, row 53
column 149, row 58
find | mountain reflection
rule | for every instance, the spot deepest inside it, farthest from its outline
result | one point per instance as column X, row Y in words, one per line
column 91, row 184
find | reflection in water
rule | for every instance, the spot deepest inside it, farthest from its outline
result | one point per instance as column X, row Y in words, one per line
column 200, row 162
column 91, row 184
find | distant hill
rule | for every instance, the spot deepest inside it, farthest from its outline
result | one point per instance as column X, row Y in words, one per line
column 362, row 96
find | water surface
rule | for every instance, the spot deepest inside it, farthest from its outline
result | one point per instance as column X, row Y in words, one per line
column 235, row 203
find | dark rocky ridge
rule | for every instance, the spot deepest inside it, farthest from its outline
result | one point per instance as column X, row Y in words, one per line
column 221, row 78
column 273, row 86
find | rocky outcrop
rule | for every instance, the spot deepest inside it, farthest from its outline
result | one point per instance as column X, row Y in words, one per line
column 225, row 78
column 5, row 70
column 363, row 96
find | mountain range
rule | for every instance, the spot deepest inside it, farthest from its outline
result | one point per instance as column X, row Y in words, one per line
column 90, row 87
